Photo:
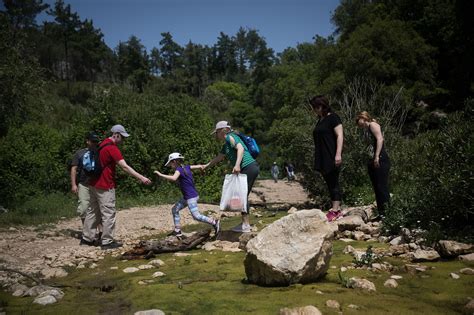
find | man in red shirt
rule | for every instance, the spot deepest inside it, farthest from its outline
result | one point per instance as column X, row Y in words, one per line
column 102, row 191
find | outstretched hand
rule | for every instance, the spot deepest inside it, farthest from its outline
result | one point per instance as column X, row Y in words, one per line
column 145, row 180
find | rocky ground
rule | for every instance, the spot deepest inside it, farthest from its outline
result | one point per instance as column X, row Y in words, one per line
column 44, row 250
column 49, row 251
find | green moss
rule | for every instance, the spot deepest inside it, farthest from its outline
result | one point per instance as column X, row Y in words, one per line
column 215, row 283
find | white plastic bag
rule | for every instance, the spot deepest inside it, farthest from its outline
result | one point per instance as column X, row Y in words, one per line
column 234, row 193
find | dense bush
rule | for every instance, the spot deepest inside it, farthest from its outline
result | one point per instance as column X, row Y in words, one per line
column 34, row 156
column 434, row 180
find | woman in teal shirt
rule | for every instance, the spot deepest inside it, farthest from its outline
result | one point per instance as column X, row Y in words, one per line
column 237, row 153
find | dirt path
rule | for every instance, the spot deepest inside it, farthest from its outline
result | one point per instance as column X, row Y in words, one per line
column 46, row 250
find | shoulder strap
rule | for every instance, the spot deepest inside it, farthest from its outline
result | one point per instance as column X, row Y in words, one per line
column 101, row 147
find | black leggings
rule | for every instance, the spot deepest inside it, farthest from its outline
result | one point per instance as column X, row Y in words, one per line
column 252, row 170
column 379, row 178
column 332, row 180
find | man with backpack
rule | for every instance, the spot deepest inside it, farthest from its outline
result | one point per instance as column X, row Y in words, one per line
column 80, row 178
column 102, row 190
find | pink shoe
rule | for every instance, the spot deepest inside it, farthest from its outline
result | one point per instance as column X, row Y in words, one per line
column 333, row 215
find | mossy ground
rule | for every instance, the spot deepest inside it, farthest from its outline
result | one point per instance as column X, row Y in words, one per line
column 214, row 283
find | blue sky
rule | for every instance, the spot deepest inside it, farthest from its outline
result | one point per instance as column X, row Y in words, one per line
column 282, row 23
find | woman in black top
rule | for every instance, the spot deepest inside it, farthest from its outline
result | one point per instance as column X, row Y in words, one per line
column 328, row 140
column 379, row 162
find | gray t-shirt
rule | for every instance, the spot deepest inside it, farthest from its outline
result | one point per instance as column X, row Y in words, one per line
column 82, row 177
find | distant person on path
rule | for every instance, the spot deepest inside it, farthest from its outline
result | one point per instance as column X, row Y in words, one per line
column 378, row 160
column 290, row 171
column 184, row 176
column 237, row 153
column 328, row 141
column 102, row 190
column 79, row 178
column 275, row 171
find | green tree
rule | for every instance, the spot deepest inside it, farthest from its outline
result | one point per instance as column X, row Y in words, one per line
column 133, row 63
column 66, row 26
column 20, row 77
column 170, row 55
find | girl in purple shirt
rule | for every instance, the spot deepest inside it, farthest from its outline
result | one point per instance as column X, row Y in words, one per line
column 184, row 176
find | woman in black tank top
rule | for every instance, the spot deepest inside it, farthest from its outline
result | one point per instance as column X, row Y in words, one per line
column 378, row 160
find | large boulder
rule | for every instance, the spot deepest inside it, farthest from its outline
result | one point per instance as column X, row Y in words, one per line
column 294, row 249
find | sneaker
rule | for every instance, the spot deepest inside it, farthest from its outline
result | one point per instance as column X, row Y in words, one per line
column 217, row 227
column 111, row 245
column 333, row 215
column 246, row 228
column 176, row 233
column 83, row 242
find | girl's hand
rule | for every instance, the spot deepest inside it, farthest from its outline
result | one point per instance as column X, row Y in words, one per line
column 376, row 163
column 338, row 160
column 236, row 169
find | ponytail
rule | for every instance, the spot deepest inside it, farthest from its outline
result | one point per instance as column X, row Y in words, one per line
column 364, row 115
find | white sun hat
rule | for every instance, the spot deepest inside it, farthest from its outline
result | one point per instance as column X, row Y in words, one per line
column 221, row 124
column 174, row 156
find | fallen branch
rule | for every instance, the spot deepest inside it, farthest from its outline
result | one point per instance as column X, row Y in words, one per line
column 171, row 244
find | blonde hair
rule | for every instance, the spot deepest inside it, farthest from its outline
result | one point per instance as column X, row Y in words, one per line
column 365, row 116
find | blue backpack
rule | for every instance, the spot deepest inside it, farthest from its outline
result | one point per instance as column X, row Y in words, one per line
column 251, row 144
column 91, row 162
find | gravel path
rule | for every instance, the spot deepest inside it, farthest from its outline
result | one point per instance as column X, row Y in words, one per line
column 45, row 251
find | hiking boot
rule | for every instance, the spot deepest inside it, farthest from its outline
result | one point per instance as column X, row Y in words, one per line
column 217, row 227
column 83, row 242
column 176, row 233
column 333, row 215
column 112, row 245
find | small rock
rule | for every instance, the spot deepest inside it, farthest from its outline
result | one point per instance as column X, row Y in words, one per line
column 333, row 304
column 424, row 255
column 343, row 269
column 396, row 241
column 415, row 268
column 468, row 257
column 157, row 262
column 45, row 300
column 319, row 292
column 467, row 271
column 364, row 284
column 381, row 239
column 292, row 210
column 150, row 312
column 145, row 267
column 396, row 277
column 93, row 266
column 305, row 310
column 348, row 249
column 452, row 248
column 131, row 269
column 178, row 254
column 469, row 307
column 358, row 235
column 454, row 275
column 346, row 240
column 158, row 274
column 114, row 268
column 390, row 283
column 18, row 293
column 353, row 306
